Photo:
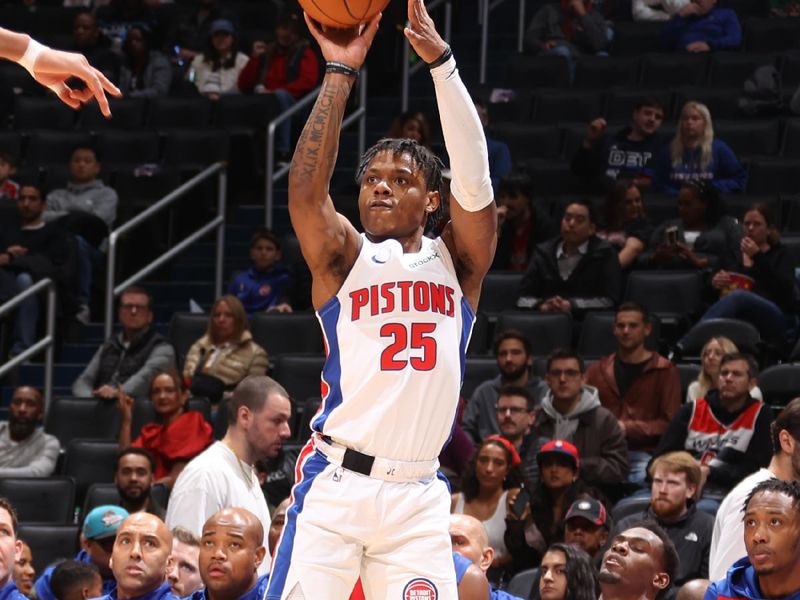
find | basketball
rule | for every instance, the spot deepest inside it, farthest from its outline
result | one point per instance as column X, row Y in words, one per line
column 342, row 13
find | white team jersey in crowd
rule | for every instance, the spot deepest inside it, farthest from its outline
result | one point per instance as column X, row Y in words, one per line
column 396, row 336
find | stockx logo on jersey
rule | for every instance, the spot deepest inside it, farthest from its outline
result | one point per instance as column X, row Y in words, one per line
column 420, row 296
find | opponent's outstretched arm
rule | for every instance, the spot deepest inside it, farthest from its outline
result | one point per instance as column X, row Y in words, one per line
column 52, row 68
column 472, row 232
column 328, row 241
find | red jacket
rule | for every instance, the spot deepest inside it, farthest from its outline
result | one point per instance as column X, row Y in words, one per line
column 648, row 406
column 277, row 75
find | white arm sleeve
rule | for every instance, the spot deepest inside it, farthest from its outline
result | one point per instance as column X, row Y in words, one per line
column 464, row 139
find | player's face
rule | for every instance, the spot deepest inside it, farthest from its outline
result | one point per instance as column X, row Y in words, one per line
column 264, row 254
column 634, row 561
column 491, row 466
column 394, row 198
column 772, row 534
column 184, row 574
column 276, row 526
column 228, row 558
column 10, row 547
column 630, row 329
column 140, row 558
column 553, row 580
column 24, row 572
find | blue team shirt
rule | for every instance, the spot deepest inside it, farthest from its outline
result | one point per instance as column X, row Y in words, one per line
column 162, row 592
column 10, row 592
column 254, row 593
column 462, row 564
column 260, row 290
column 741, row 583
column 42, row 585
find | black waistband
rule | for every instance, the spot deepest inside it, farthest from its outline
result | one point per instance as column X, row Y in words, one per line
column 354, row 460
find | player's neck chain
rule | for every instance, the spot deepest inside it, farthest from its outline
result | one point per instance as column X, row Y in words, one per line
column 248, row 476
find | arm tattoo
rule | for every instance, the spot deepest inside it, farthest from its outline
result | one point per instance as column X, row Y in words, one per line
column 317, row 148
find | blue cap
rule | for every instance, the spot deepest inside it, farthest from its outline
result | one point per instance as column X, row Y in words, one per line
column 103, row 521
column 222, row 25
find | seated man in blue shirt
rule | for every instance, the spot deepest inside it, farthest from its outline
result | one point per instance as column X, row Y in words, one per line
column 10, row 551
column 265, row 285
column 231, row 551
column 702, row 27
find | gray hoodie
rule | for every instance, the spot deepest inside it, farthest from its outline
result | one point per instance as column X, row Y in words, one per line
column 566, row 425
column 93, row 197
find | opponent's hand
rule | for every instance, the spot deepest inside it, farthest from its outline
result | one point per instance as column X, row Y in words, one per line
column 421, row 32
column 347, row 46
column 54, row 67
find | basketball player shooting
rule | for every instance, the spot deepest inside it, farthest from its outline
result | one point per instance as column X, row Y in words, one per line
column 397, row 310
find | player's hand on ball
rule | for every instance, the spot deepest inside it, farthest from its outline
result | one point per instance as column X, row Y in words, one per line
column 347, row 46
column 421, row 32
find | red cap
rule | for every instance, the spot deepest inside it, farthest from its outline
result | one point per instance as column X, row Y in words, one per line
column 559, row 447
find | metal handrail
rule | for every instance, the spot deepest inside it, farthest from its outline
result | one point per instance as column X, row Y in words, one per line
column 46, row 343
column 217, row 223
column 271, row 175
column 409, row 70
column 484, row 8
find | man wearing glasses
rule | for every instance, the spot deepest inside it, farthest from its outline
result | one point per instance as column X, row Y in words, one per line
column 129, row 360
column 571, row 411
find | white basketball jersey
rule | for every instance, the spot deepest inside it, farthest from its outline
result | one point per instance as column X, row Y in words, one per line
column 396, row 335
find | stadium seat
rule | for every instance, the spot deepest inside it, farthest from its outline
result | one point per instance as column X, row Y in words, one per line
column 773, row 176
column 673, row 296
column 184, row 330
column 281, row 334
column 743, row 334
column 246, row 111
column 53, row 147
column 723, row 102
column 499, row 292
column 521, row 584
column 790, row 71
column 11, row 142
column 479, row 341
column 749, row 138
column 300, row 375
column 746, row 8
column 305, row 410
column 140, row 189
column 635, row 38
column 552, row 177
column 42, row 113
column 771, row 35
column 19, row 80
column 169, row 112
column 476, row 371
column 517, row 109
column 49, row 542
column 688, row 373
column 602, row 72
column 126, row 113
column 527, row 141
column 546, row 331
column 90, row 461
column 70, row 418
column 674, row 69
column 122, row 150
column 629, row 506
column 555, row 106
column 526, row 72
column 780, row 383
column 620, row 102
column 195, row 149
column 791, row 139
column 733, row 68
column 597, row 335
column 99, row 494
column 41, row 499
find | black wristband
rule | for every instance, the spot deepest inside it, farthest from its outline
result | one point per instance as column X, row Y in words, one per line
column 446, row 55
column 341, row 68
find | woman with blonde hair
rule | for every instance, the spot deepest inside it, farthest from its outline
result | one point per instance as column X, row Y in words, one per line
column 695, row 154
column 226, row 354
column 711, row 357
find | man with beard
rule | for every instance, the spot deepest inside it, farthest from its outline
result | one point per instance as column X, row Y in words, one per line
column 514, row 356
column 727, row 541
column 639, row 565
column 140, row 559
column 771, row 568
column 586, row 526
column 26, row 451
column 231, row 552
column 675, row 478
column 134, row 480
column 90, row 41
column 184, row 574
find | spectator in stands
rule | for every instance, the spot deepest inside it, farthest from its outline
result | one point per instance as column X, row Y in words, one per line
column 641, row 388
column 784, row 8
column 571, row 411
column 541, row 521
column 500, row 164
column 412, row 125
column 189, row 28
column 276, row 525
column 127, row 362
column 514, row 356
column 87, row 207
column 226, row 354
column 710, row 359
column 76, row 580
column 9, row 189
column 146, row 72
column 586, row 526
column 727, row 541
column 700, row 26
column 522, row 224
column 470, row 541
column 761, row 288
column 575, row 271
column 573, row 28
column 675, row 478
column 133, row 477
column 24, row 574
column 702, row 237
column 216, row 71
column 26, row 450
column 140, row 559
column 727, row 431
column 266, row 285
column 97, row 541
column 184, row 573
column 88, row 40
column 566, row 573
column 695, row 154
column 178, row 435
column 10, row 549
column 641, row 563
column 771, row 568
column 30, row 252
column 656, row 10
column 515, row 412
column 626, row 226
column 223, row 475
column 627, row 154
column 115, row 17
column 285, row 67
column 490, row 477
column 231, row 555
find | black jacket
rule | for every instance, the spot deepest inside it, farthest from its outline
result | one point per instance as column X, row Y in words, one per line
column 542, row 228
column 118, row 363
column 773, row 276
column 616, row 157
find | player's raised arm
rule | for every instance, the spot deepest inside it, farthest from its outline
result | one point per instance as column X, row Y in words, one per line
column 472, row 233
column 328, row 241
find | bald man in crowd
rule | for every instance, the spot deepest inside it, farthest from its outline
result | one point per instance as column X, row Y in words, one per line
column 141, row 558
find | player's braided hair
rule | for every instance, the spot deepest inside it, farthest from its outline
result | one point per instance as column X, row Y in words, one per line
column 421, row 157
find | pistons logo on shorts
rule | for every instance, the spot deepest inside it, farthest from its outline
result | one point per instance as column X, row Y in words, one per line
column 420, row 589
